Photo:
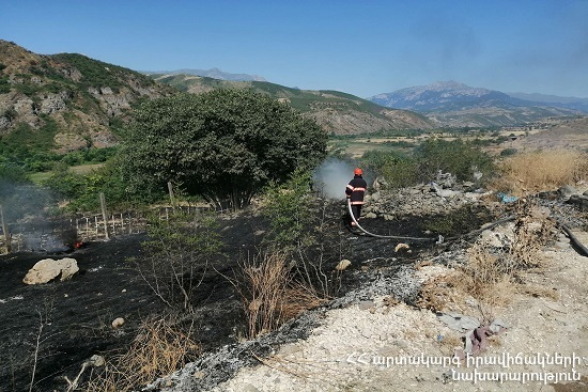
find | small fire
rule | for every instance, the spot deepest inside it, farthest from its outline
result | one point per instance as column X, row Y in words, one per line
column 78, row 244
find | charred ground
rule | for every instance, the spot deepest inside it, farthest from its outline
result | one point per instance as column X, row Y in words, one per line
column 76, row 315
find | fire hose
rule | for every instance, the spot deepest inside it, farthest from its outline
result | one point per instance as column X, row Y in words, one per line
column 579, row 247
column 384, row 236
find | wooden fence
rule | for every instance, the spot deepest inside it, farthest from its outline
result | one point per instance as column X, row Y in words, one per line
column 53, row 235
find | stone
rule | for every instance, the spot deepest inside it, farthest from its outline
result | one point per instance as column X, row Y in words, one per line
column 371, row 215
column 97, row 360
column 565, row 192
column 376, row 196
column 401, row 246
column 118, row 322
column 343, row 264
column 47, row 270
column 366, row 305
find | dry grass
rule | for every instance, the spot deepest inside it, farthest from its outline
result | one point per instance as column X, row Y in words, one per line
column 263, row 287
column 492, row 276
column 159, row 349
column 270, row 295
column 527, row 173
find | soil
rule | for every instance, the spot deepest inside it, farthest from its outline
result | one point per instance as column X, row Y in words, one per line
column 361, row 346
column 76, row 315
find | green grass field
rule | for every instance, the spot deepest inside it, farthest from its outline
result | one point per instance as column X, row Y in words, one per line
column 38, row 178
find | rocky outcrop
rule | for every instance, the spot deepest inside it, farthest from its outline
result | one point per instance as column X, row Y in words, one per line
column 424, row 199
column 47, row 270
column 78, row 95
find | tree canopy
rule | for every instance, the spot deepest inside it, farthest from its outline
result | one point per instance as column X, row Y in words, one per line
column 224, row 145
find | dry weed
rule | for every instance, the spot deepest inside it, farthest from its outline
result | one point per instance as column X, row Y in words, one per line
column 269, row 293
column 493, row 276
column 530, row 172
column 263, row 288
column 159, row 349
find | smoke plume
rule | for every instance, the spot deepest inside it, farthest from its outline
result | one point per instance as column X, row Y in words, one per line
column 332, row 177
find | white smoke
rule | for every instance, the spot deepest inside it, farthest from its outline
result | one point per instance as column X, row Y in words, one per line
column 332, row 177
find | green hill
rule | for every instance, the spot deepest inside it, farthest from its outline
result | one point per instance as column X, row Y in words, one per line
column 339, row 113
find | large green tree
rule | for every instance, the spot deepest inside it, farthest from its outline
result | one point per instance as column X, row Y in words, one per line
column 224, row 145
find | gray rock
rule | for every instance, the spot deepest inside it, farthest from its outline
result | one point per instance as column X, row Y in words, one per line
column 46, row 270
column 565, row 192
column 365, row 305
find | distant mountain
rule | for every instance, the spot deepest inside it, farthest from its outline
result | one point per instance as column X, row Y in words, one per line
column 554, row 100
column 214, row 73
column 445, row 96
column 65, row 102
column 339, row 113
column 456, row 104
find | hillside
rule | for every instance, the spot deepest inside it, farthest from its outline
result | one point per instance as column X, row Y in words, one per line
column 337, row 112
column 457, row 105
column 214, row 73
column 554, row 100
column 65, row 102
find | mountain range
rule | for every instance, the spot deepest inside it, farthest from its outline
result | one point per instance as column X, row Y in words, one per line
column 214, row 73
column 66, row 102
column 456, row 104
column 338, row 113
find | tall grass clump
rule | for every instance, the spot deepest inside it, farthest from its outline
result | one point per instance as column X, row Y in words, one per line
column 541, row 170
column 160, row 348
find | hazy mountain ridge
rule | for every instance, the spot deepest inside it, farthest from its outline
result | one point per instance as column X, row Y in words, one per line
column 337, row 112
column 68, row 101
column 456, row 104
column 214, row 73
column 554, row 100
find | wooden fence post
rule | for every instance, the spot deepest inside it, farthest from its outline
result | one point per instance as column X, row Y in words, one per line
column 171, row 193
column 5, row 230
column 103, row 207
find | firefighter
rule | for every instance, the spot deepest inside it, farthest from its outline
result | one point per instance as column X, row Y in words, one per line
column 355, row 192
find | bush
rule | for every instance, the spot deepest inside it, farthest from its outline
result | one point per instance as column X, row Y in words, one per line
column 508, row 152
column 177, row 256
column 399, row 171
column 225, row 145
column 457, row 157
column 287, row 209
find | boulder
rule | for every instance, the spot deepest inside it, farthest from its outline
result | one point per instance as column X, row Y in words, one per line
column 47, row 270
column 565, row 192
column 343, row 264
column 118, row 322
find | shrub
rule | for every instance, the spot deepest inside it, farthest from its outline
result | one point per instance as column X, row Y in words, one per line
column 508, row 152
column 286, row 206
column 177, row 256
column 399, row 171
column 457, row 157
column 224, row 145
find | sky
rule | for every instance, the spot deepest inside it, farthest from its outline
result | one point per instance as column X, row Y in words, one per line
column 364, row 48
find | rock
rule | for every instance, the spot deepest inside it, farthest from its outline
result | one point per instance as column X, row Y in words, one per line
column 375, row 197
column 48, row 269
column 97, row 360
column 379, row 182
column 343, row 264
column 371, row 215
column 580, row 201
column 365, row 305
column 401, row 246
column 118, row 322
column 565, row 192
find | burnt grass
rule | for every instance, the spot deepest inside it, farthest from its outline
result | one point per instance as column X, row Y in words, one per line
column 76, row 315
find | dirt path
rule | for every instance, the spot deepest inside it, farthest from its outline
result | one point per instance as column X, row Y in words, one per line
column 361, row 347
